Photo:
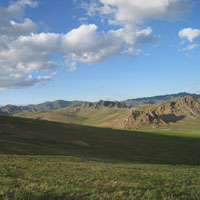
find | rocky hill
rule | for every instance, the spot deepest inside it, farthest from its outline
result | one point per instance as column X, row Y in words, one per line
column 101, row 103
column 156, row 99
column 163, row 114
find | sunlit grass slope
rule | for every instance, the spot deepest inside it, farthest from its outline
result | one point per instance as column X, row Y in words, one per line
column 101, row 117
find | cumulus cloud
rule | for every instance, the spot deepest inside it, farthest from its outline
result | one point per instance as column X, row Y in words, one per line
column 189, row 33
column 24, row 53
column 11, row 81
column 86, row 44
column 129, row 13
column 16, row 11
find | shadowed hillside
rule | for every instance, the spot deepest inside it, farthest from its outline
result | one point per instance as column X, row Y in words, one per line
column 36, row 137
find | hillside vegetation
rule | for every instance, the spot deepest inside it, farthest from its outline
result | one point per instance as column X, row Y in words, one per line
column 37, row 137
column 117, row 115
column 156, row 157
column 101, row 114
column 49, row 160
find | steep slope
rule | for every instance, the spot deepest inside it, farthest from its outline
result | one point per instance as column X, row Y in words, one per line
column 163, row 114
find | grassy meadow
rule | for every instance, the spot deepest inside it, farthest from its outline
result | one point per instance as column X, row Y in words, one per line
column 48, row 160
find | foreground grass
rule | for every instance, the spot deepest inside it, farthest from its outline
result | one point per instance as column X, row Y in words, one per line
column 62, row 177
column 42, row 160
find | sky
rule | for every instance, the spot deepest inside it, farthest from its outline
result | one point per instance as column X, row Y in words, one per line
column 97, row 49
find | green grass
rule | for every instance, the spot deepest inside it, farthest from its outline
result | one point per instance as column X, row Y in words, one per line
column 42, row 160
column 103, row 116
column 61, row 177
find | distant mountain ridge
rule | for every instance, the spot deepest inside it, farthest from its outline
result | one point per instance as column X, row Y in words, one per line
column 157, row 99
column 130, row 103
column 49, row 105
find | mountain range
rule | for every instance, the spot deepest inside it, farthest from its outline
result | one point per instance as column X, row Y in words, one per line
column 157, row 99
column 53, row 105
column 118, row 115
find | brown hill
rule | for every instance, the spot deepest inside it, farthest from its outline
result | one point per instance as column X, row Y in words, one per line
column 163, row 114
column 101, row 103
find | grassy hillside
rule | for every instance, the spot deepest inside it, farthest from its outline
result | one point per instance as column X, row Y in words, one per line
column 48, row 160
column 117, row 115
column 36, row 137
column 101, row 117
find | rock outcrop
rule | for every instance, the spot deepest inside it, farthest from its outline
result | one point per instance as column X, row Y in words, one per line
column 87, row 105
column 101, row 103
column 163, row 114
column 110, row 104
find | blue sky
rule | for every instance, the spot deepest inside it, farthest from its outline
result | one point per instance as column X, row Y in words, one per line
column 98, row 49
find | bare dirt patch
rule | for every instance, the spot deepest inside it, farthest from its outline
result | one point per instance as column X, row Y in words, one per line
column 80, row 143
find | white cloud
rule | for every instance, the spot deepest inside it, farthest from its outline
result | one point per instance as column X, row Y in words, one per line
column 86, row 44
column 132, row 52
column 31, row 53
column 72, row 66
column 191, row 47
column 12, row 81
column 14, row 28
column 21, row 52
column 15, row 11
column 129, row 13
column 24, row 53
column 189, row 33
column 82, row 19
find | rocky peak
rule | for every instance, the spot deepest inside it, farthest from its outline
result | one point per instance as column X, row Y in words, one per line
column 171, row 111
column 87, row 105
column 188, row 106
